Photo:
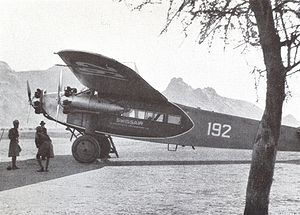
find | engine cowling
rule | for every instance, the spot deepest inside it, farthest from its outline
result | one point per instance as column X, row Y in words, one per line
column 91, row 104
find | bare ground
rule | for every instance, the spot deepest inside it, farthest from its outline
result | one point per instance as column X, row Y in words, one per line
column 146, row 179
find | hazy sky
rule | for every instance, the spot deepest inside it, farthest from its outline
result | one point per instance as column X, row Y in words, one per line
column 31, row 31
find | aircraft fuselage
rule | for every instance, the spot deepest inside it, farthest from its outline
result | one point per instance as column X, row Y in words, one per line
column 128, row 118
column 217, row 130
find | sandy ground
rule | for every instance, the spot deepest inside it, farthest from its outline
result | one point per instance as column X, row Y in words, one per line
column 146, row 179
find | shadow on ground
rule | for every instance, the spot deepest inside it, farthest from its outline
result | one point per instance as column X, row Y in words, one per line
column 65, row 165
column 60, row 166
column 188, row 162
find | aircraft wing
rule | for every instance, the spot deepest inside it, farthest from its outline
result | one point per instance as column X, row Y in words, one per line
column 108, row 76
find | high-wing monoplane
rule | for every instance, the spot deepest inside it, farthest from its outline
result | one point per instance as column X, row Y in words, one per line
column 119, row 102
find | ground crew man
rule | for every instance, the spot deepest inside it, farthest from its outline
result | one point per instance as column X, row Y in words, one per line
column 14, row 147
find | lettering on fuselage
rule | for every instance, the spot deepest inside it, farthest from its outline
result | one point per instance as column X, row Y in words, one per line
column 218, row 130
column 130, row 121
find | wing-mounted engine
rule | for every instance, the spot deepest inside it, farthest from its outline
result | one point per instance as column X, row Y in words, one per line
column 88, row 102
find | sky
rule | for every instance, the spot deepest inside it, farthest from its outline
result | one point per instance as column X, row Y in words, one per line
column 33, row 30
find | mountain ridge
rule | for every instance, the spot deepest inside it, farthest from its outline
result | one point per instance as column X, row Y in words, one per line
column 208, row 99
column 13, row 94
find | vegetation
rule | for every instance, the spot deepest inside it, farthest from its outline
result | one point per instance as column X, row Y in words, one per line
column 272, row 25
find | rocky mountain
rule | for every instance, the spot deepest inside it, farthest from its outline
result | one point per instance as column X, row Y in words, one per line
column 208, row 99
column 14, row 100
column 9, row 93
column 13, row 92
column 290, row 120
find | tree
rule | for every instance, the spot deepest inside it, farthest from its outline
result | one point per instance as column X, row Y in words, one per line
column 272, row 25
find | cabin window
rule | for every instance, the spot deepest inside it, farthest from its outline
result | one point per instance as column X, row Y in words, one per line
column 172, row 119
column 149, row 115
column 140, row 114
column 129, row 113
column 158, row 117
column 126, row 114
column 133, row 113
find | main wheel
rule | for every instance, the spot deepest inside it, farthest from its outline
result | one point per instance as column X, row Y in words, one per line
column 104, row 144
column 85, row 149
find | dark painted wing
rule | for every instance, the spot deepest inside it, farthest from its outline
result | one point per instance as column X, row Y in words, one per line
column 109, row 77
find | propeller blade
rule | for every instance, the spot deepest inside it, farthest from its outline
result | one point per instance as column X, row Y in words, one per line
column 59, row 88
column 28, row 115
column 29, row 93
column 57, row 112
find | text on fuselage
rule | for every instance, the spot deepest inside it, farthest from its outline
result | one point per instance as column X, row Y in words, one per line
column 218, row 130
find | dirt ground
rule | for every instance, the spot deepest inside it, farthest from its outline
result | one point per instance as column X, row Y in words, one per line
column 146, row 179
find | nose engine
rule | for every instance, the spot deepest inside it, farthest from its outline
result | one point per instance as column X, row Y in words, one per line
column 37, row 101
column 71, row 101
column 87, row 102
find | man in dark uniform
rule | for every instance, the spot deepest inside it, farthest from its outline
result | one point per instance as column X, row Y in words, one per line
column 43, row 143
column 44, row 129
column 14, row 147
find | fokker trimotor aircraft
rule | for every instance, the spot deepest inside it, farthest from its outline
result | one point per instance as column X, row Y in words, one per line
column 119, row 102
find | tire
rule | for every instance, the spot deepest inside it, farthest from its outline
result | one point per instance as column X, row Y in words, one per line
column 104, row 144
column 85, row 149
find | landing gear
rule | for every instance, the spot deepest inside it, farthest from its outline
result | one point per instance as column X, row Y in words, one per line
column 104, row 145
column 107, row 146
column 85, row 149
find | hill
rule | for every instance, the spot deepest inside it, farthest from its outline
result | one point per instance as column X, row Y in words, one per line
column 14, row 105
column 208, row 99
column 13, row 92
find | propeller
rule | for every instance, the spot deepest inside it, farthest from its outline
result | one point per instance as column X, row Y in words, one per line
column 29, row 93
column 59, row 88
column 58, row 95
column 29, row 99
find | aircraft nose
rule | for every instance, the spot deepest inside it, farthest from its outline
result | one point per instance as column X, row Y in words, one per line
column 188, row 124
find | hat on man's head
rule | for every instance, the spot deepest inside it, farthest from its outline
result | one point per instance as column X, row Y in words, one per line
column 42, row 123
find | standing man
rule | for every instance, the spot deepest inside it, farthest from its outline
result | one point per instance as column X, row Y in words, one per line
column 43, row 142
column 14, row 147
column 44, row 129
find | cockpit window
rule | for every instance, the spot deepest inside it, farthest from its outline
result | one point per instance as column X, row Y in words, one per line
column 172, row 119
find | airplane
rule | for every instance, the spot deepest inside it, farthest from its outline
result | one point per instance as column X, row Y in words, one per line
column 117, row 101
